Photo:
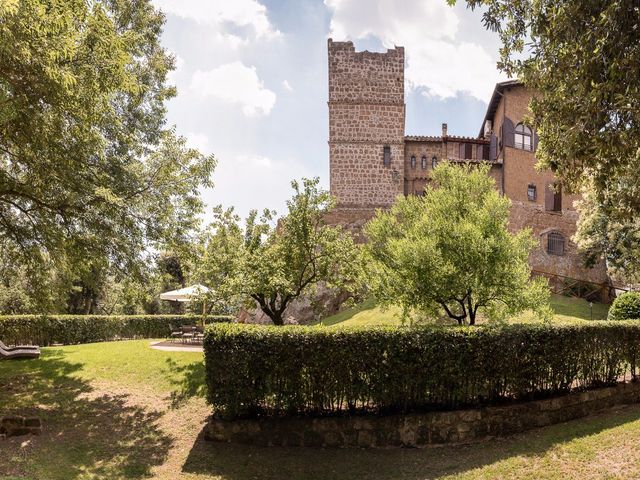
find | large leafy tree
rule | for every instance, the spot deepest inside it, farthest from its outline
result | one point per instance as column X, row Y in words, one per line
column 272, row 265
column 450, row 252
column 582, row 57
column 601, row 234
column 88, row 168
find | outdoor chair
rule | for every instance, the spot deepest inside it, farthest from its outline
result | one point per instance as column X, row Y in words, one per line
column 19, row 353
column 175, row 333
column 199, row 333
column 188, row 333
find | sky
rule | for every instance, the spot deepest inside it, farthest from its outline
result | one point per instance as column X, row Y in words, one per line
column 252, row 81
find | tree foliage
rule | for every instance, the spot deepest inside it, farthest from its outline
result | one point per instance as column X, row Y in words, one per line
column 450, row 251
column 625, row 307
column 582, row 57
column 88, row 169
column 603, row 234
column 272, row 265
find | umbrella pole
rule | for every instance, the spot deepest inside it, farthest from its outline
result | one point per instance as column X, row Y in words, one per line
column 204, row 309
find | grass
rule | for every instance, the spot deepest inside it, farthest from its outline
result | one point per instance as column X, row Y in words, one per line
column 119, row 410
column 566, row 310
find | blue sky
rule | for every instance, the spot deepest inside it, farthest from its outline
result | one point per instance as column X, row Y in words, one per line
column 252, row 81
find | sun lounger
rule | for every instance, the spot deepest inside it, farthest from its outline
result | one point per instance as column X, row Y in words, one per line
column 19, row 353
column 18, row 347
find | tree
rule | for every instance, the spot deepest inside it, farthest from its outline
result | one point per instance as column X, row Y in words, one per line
column 272, row 265
column 582, row 57
column 602, row 234
column 451, row 252
column 87, row 167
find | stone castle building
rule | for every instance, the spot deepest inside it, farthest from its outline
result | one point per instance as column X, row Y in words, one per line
column 372, row 161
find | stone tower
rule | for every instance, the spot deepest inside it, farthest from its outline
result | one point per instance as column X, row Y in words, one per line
column 366, row 126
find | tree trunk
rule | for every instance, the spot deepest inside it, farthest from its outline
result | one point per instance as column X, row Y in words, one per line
column 472, row 318
column 276, row 317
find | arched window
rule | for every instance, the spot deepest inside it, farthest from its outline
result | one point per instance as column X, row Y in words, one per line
column 413, row 161
column 555, row 243
column 423, row 162
column 523, row 137
column 434, row 162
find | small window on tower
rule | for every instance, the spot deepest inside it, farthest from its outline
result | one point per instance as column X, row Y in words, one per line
column 531, row 192
column 434, row 162
column 413, row 161
column 424, row 162
column 386, row 159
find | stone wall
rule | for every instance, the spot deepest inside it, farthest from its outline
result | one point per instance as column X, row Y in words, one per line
column 542, row 223
column 366, row 114
column 418, row 430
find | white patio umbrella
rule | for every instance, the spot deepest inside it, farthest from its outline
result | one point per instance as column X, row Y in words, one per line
column 185, row 294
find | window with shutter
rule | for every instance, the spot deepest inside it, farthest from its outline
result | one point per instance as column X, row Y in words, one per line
column 424, row 162
column 434, row 162
column 508, row 133
column 553, row 198
column 468, row 151
column 493, row 147
column 557, row 200
column 413, row 161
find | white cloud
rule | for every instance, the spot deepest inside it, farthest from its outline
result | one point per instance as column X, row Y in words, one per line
column 287, row 86
column 238, row 84
column 199, row 142
column 240, row 13
column 427, row 29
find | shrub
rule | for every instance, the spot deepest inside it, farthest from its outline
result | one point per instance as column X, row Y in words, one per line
column 256, row 370
column 625, row 307
column 70, row 329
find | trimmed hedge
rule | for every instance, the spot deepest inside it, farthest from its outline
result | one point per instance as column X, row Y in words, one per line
column 256, row 370
column 71, row 329
column 625, row 307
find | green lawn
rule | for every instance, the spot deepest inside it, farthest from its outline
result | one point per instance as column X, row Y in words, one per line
column 122, row 410
column 566, row 310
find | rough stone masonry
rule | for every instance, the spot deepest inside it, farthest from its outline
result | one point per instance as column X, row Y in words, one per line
column 372, row 161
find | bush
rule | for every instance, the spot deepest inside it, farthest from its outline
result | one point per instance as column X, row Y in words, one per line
column 625, row 307
column 256, row 370
column 70, row 329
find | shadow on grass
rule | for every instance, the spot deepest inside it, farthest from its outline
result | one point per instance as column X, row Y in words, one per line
column 189, row 380
column 240, row 462
column 85, row 433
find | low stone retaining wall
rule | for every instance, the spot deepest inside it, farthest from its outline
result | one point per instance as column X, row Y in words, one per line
column 16, row 425
column 422, row 429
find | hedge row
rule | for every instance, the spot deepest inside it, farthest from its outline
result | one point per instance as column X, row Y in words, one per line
column 257, row 370
column 71, row 329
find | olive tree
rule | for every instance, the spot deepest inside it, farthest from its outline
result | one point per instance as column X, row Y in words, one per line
column 450, row 251
column 271, row 263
